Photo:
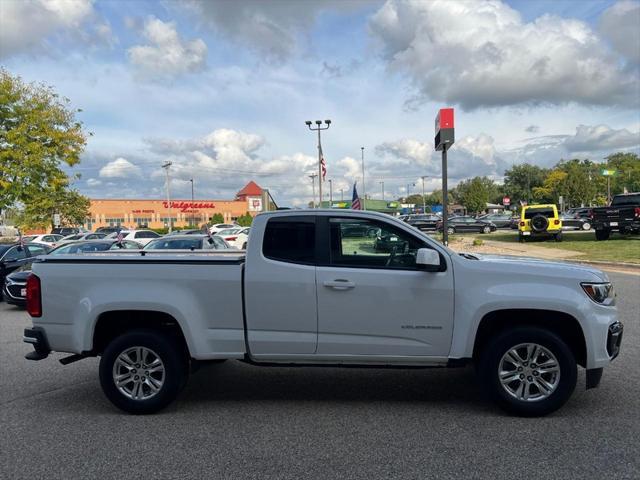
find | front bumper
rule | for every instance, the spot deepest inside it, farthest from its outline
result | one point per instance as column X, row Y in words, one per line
column 38, row 338
column 12, row 293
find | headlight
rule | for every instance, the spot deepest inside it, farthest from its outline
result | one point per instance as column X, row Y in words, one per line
column 601, row 293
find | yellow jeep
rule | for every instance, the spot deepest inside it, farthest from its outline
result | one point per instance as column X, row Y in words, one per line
column 540, row 221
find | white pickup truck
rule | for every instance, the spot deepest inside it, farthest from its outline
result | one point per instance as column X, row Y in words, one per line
column 336, row 288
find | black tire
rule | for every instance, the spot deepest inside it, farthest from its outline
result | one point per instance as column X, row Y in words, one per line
column 603, row 234
column 521, row 238
column 492, row 354
column 486, row 229
column 172, row 355
column 558, row 237
column 451, row 230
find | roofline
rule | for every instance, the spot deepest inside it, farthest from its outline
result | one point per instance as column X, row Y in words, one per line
column 324, row 211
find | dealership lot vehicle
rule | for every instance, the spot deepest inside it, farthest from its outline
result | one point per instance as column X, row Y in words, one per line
column 64, row 231
column 14, row 255
column 107, row 230
column 575, row 222
column 500, row 221
column 221, row 226
column 467, row 224
column 82, row 236
column 236, row 237
column 187, row 242
column 623, row 215
column 14, row 287
column 540, row 221
column 423, row 222
column 525, row 324
column 140, row 236
column 49, row 239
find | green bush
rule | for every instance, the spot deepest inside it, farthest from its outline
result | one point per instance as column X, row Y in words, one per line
column 477, row 242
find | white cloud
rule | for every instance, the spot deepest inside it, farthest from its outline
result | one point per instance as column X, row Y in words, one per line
column 25, row 24
column 120, row 168
column 600, row 137
column 482, row 54
column 620, row 24
column 168, row 55
column 94, row 182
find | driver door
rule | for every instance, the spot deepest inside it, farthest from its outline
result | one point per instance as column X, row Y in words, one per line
column 372, row 298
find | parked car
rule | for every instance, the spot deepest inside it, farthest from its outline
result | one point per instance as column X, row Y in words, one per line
column 499, row 220
column 236, row 237
column 540, row 221
column 514, row 223
column 359, row 230
column 623, row 215
column 424, row 222
column 390, row 242
column 575, row 222
column 14, row 289
column 193, row 231
column 141, row 236
column 107, row 230
column 582, row 212
column 467, row 224
column 82, row 236
column 187, row 242
column 526, row 324
column 14, row 255
column 221, row 226
column 64, row 231
column 47, row 239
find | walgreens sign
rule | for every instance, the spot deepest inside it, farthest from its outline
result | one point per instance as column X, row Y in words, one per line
column 186, row 206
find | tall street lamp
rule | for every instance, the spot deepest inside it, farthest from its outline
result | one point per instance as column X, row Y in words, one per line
column 166, row 166
column 330, row 193
column 408, row 186
column 313, row 185
column 424, row 202
column 364, row 192
column 192, row 218
column 382, row 183
column 318, row 128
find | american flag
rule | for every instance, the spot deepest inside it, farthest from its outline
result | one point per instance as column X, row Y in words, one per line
column 323, row 164
column 119, row 237
column 355, row 201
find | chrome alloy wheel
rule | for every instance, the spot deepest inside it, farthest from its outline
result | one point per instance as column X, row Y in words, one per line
column 529, row 372
column 138, row 373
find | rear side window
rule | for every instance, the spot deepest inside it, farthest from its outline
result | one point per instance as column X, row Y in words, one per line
column 290, row 240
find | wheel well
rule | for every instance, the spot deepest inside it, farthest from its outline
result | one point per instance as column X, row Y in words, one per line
column 562, row 324
column 112, row 324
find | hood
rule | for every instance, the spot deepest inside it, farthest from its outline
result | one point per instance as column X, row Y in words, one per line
column 19, row 276
column 539, row 266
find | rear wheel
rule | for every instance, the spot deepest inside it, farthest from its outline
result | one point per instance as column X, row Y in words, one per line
column 143, row 371
column 486, row 229
column 528, row 371
column 451, row 230
column 244, row 246
column 586, row 226
column 603, row 234
column 558, row 237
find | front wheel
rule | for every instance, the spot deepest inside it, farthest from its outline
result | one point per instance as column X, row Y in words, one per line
column 143, row 371
column 451, row 230
column 528, row 371
column 486, row 229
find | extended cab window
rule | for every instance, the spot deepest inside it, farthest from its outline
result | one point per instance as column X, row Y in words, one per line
column 366, row 243
column 290, row 240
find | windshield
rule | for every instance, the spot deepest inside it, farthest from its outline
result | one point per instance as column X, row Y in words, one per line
column 81, row 247
column 175, row 244
column 633, row 199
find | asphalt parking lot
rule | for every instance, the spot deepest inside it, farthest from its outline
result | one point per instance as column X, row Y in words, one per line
column 239, row 421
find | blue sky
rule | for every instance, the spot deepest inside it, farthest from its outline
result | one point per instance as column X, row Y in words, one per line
column 222, row 89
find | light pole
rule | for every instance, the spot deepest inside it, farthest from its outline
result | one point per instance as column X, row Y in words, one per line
column 191, row 180
column 166, row 166
column 364, row 190
column 330, row 193
column 382, row 183
column 424, row 202
column 342, row 194
column 319, row 128
column 409, row 185
column 313, row 184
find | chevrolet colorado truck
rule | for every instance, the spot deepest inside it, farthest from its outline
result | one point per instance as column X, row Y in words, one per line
column 309, row 292
column 623, row 215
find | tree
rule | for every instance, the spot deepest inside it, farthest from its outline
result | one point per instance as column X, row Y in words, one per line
column 72, row 207
column 520, row 181
column 39, row 133
column 245, row 220
column 627, row 167
column 216, row 218
column 475, row 193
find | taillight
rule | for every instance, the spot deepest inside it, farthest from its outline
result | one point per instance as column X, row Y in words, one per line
column 591, row 214
column 556, row 222
column 34, row 297
column 230, row 239
column 636, row 211
column 522, row 224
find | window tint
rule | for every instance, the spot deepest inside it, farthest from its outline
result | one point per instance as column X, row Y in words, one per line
column 15, row 253
column 290, row 240
column 371, row 244
column 37, row 250
column 146, row 235
column 632, row 199
column 532, row 212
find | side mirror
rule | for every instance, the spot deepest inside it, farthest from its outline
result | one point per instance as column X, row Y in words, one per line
column 428, row 259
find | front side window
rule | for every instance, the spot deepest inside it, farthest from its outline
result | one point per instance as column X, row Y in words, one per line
column 379, row 245
column 290, row 240
column 35, row 250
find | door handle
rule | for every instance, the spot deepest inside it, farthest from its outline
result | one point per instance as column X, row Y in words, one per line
column 339, row 284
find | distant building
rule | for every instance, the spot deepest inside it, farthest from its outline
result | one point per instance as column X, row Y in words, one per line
column 143, row 213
